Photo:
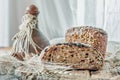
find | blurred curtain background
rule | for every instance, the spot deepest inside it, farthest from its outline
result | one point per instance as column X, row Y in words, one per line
column 11, row 12
column 4, row 23
column 58, row 15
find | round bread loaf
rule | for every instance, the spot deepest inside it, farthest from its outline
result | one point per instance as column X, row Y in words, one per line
column 95, row 37
column 76, row 55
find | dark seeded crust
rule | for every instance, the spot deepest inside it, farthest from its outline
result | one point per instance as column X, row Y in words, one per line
column 76, row 55
column 92, row 36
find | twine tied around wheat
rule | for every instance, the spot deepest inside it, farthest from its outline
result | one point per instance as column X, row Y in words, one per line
column 23, row 39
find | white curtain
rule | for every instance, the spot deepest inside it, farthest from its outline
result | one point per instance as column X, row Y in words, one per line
column 112, row 19
column 93, row 12
column 11, row 12
column 3, row 23
column 57, row 15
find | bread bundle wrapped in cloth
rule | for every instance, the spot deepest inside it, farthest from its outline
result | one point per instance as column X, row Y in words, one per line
column 84, row 49
column 29, row 41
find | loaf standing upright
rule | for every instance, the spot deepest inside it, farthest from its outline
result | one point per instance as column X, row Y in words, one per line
column 94, row 37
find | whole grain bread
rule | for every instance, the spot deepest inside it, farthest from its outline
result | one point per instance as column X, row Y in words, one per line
column 92, row 36
column 75, row 55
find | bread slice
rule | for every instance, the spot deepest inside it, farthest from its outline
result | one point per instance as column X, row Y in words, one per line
column 75, row 55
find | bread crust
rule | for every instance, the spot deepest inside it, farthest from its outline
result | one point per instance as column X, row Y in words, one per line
column 92, row 36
